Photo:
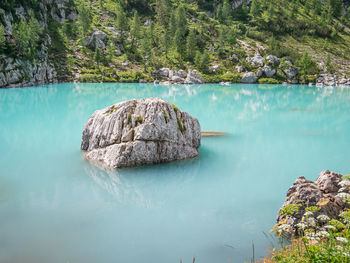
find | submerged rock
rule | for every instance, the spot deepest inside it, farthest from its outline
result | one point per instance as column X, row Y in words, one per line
column 138, row 132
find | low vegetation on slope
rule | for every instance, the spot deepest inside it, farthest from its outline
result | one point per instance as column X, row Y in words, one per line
column 213, row 37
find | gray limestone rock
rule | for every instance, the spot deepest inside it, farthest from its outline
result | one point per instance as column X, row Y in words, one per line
column 193, row 77
column 139, row 132
column 257, row 60
column 239, row 69
column 269, row 71
column 97, row 39
column 249, row 77
column 272, row 60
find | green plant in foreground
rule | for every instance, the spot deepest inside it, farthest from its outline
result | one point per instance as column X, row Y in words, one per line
column 290, row 209
column 312, row 209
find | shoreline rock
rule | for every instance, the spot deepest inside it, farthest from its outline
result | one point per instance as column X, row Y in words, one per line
column 308, row 203
column 139, row 132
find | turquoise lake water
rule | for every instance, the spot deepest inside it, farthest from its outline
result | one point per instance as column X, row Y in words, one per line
column 56, row 207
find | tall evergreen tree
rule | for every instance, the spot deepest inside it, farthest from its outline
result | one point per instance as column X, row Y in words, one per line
column 226, row 10
column 146, row 48
column 84, row 17
column 181, row 29
column 166, row 41
column 122, row 24
column 2, row 36
column 27, row 35
column 255, row 8
column 163, row 12
column 172, row 25
column 98, row 55
column 191, row 45
column 135, row 28
column 204, row 62
column 221, row 42
column 219, row 14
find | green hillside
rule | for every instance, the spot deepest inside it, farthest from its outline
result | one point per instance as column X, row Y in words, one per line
column 213, row 37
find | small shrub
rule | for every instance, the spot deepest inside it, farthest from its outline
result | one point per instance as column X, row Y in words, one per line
column 139, row 120
column 130, row 77
column 290, row 209
column 268, row 81
column 232, row 77
column 337, row 224
column 312, row 209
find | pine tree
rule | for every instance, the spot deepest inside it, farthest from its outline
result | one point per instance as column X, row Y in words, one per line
column 219, row 14
column 122, row 24
column 305, row 63
column 146, row 48
column 27, row 35
column 241, row 13
column 232, row 36
column 98, row 56
column 172, row 25
column 197, row 59
column 2, row 36
column 163, row 12
column 221, row 41
column 226, row 10
column 255, row 9
column 204, row 62
column 336, row 7
column 84, row 18
column 135, row 28
column 191, row 44
column 166, row 41
column 151, row 33
column 181, row 29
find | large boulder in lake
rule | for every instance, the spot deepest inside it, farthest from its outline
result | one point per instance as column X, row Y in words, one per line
column 138, row 132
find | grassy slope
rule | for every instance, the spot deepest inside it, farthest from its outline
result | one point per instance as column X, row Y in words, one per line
column 82, row 65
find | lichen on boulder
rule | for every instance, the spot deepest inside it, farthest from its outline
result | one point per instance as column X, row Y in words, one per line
column 139, row 132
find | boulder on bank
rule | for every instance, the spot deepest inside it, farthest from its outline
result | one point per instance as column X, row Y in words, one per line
column 96, row 39
column 326, row 194
column 249, row 77
column 193, row 77
column 138, row 132
column 256, row 61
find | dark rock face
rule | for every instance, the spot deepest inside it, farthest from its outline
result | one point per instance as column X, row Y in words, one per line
column 19, row 71
column 326, row 193
column 138, row 132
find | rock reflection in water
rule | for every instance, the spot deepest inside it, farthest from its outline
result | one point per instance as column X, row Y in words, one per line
column 138, row 186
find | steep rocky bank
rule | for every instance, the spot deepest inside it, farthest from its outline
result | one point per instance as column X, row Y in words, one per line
column 314, row 205
column 43, row 67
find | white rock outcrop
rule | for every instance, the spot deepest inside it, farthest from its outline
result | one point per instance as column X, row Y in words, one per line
column 193, row 77
column 139, row 132
column 97, row 39
column 249, row 77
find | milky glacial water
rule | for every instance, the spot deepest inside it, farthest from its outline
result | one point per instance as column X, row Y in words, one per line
column 56, row 207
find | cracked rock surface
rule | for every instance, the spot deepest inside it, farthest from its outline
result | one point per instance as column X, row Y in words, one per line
column 139, row 132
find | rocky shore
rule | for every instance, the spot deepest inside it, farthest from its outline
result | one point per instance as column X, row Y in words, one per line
column 314, row 208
